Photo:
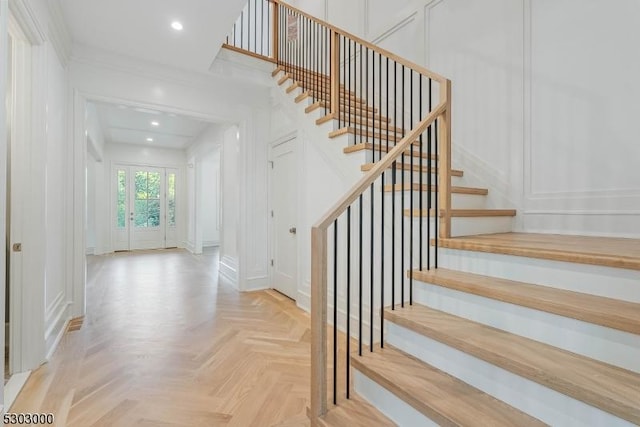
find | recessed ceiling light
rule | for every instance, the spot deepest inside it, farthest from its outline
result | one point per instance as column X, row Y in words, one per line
column 176, row 25
column 154, row 123
column 149, row 139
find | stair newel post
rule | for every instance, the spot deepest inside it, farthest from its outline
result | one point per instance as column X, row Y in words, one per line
column 275, row 41
column 318, row 323
column 335, row 74
column 444, row 161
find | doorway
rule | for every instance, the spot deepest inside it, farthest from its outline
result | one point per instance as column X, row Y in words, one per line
column 145, row 208
column 284, row 196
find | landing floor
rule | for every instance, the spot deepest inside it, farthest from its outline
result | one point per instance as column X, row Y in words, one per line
column 606, row 251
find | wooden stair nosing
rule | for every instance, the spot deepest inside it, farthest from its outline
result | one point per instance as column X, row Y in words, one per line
column 388, row 188
column 614, row 261
column 367, row 123
column 434, row 393
column 277, row 70
column 367, row 146
column 295, row 85
column 607, row 387
column 368, row 112
column 608, row 312
column 370, row 120
column 416, row 168
column 366, row 133
column 464, row 213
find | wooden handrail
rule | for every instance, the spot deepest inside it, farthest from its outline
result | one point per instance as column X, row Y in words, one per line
column 418, row 68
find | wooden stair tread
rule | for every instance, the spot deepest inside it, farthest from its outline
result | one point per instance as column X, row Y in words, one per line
column 424, row 187
column 612, row 313
column 416, row 168
column 612, row 389
column 367, row 146
column 463, row 213
column 393, row 136
column 354, row 412
column 277, row 70
column 604, row 251
column 436, row 394
column 372, row 120
column 362, row 112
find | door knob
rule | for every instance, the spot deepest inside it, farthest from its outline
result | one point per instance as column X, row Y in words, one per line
column 292, row 230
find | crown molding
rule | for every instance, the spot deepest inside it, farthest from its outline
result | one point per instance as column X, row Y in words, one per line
column 26, row 18
column 59, row 33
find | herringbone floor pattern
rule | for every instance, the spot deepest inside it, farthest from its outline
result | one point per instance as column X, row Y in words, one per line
column 164, row 344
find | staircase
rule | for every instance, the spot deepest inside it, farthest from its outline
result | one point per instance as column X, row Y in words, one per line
column 443, row 315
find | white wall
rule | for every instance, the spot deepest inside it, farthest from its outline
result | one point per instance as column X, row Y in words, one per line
column 229, row 253
column 210, row 199
column 91, row 205
column 57, row 147
column 538, row 115
column 204, row 189
column 3, row 162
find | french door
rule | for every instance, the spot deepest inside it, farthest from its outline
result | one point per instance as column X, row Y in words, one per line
column 145, row 208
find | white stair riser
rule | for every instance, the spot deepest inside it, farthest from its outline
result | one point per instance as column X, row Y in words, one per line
column 594, row 341
column 609, row 282
column 388, row 403
column 532, row 398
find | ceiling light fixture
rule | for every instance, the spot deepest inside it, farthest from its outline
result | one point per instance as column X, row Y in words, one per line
column 154, row 123
column 176, row 25
column 149, row 139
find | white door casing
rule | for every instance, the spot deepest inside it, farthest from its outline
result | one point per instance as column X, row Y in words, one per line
column 284, row 196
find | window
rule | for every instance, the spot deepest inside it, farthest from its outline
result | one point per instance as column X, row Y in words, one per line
column 171, row 199
column 122, row 199
column 147, row 199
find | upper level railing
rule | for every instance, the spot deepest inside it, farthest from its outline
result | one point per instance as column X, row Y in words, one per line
column 398, row 112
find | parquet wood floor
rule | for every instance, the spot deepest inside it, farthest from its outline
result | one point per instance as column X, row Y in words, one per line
column 165, row 344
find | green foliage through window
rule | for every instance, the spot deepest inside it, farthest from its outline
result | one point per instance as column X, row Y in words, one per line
column 122, row 198
column 147, row 199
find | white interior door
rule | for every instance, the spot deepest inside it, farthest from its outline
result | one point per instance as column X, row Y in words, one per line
column 145, row 208
column 284, row 218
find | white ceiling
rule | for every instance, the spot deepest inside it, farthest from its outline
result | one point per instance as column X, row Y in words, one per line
column 142, row 28
column 130, row 125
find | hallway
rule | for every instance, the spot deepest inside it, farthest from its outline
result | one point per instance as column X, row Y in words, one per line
column 165, row 344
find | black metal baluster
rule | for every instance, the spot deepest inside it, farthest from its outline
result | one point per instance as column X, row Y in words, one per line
column 366, row 106
column 402, row 168
column 429, row 183
column 437, row 212
column 360, row 281
column 421, row 197
column 358, row 106
column 348, row 295
column 242, row 29
column 393, row 206
column 394, row 180
column 371, row 302
column 411, row 180
column 335, row 309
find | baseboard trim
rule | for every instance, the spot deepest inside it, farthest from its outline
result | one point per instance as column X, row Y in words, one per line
column 258, row 283
column 229, row 270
